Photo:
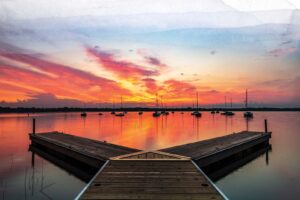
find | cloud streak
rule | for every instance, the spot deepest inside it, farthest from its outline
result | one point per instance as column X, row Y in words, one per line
column 282, row 51
column 154, row 61
column 62, row 80
column 123, row 69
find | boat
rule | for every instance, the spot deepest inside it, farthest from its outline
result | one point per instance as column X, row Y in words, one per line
column 113, row 108
column 217, row 111
column 247, row 114
column 100, row 113
column 83, row 114
column 228, row 113
column 197, row 113
column 156, row 114
column 213, row 112
column 173, row 112
column 122, row 114
column 165, row 113
column 140, row 113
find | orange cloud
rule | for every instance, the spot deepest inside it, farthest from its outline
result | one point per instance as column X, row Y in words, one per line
column 35, row 75
column 64, row 81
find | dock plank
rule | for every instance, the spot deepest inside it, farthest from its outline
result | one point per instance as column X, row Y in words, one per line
column 171, row 173
column 83, row 146
column 154, row 179
column 197, row 150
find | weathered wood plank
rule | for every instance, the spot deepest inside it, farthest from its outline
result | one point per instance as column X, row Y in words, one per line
column 204, row 148
column 143, row 179
column 91, row 152
column 133, row 174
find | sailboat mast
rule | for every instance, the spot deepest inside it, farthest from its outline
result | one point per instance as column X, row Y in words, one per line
column 246, row 101
column 197, row 101
column 121, row 102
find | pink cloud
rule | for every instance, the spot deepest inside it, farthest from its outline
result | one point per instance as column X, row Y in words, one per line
column 282, row 51
column 154, row 61
column 151, row 85
column 123, row 69
column 63, row 81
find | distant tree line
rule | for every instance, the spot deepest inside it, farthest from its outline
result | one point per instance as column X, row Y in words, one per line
column 132, row 109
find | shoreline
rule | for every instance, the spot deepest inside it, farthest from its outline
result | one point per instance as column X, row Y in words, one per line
column 137, row 109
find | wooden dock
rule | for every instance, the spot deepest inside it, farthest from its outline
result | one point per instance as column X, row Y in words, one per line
column 171, row 173
column 91, row 152
column 150, row 175
column 214, row 150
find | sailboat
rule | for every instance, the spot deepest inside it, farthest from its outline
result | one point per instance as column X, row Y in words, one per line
column 83, row 114
column 163, row 112
column 156, row 113
column 113, row 112
column 227, row 113
column 247, row 114
column 121, row 114
column 197, row 113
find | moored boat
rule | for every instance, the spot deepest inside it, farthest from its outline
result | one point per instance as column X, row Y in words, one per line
column 122, row 114
column 228, row 113
column 247, row 114
column 156, row 114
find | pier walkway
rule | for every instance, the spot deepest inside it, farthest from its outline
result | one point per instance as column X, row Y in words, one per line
column 151, row 175
column 213, row 150
column 171, row 173
column 91, row 152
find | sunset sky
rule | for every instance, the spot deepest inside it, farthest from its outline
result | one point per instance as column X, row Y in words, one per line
column 61, row 53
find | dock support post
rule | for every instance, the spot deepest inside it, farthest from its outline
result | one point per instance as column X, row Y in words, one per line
column 32, row 159
column 266, row 125
column 33, row 126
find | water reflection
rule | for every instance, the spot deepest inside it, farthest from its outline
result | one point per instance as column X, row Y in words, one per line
column 225, row 167
column 46, row 178
column 81, row 171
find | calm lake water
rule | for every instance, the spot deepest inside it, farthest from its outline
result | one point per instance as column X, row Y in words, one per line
column 276, row 176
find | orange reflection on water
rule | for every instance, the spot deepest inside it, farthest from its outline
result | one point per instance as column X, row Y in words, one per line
column 145, row 132
column 138, row 131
